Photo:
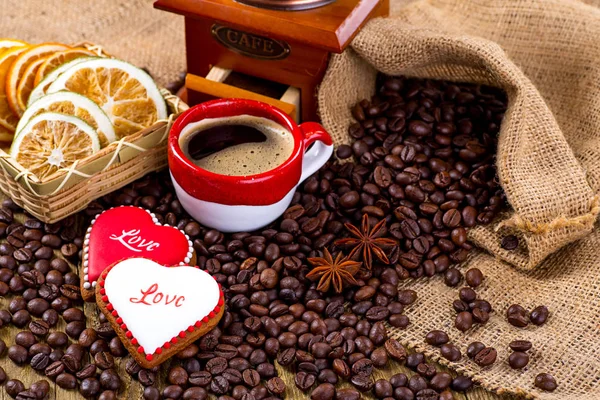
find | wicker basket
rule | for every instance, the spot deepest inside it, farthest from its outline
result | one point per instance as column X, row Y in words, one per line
column 72, row 189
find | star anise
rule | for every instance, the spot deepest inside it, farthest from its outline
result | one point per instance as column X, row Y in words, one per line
column 367, row 241
column 339, row 272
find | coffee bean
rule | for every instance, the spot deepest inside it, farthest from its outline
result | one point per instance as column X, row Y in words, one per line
column 325, row 391
column 347, row 394
column 539, row 315
column 286, row 357
column 518, row 360
column 146, row 378
column 151, row 393
column 50, row 317
column 414, row 359
column 54, row 369
column 40, row 361
column 426, row 370
column 110, row 380
column 517, row 316
column 276, row 386
column 132, row 367
column 107, row 395
column 460, row 306
column 463, row 321
column 304, row 380
column 416, row 383
column 509, row 242
column 437, row 338
column 450, row 352
column 89, row 387
column 441, row 381
column 75, row 328
column 377, row 313
column 452, row 218
column 72, row 363
column 17, row 354
column 69, row 250
column 395, row 350
column 363, row 366
column 251, row 377
column 340, row 367
column 474, row 277
column 195, row 393
column 67, row 381
column 486, row 357
column 25, row 339
column 13, row 387
column 216, row 365
column 546, row 382
column 480, row 316
column 467, row 294
column 73, row 314
column 344, row 151
column 177, row 376
column 483, row 305
column 452, row 277
column 461, row 383
column 21, row 318
column 363, row 383
column 407, row 296
column 70, row 291
column 520, row 345
column 87, row 371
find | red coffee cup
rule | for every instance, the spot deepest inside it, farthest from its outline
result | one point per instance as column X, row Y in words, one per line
column 244, row 203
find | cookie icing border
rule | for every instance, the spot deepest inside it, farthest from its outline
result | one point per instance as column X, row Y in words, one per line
column 175, row 339
column 84, row 262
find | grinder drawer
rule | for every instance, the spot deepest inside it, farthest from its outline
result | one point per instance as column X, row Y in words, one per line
column 223, row 83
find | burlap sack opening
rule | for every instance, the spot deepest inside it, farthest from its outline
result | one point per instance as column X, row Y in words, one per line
column 546, row 55
column 552, row 202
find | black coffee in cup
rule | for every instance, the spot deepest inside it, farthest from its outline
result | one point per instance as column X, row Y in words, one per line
column 239, row 146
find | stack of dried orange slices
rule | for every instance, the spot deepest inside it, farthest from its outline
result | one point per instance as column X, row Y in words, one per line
column 60, row 104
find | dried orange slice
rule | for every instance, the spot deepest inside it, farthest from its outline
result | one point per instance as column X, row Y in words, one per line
column 7, row 119
column 58, row 59
column 18, row 68
column 70, row 103
column 26, row 83
column 6, row 44
column 127, row 94
column 52, row 141
column 40, row 90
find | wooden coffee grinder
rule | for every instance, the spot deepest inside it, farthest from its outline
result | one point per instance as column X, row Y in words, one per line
column 274, row 51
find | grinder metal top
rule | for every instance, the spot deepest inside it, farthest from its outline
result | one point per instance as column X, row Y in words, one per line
column 287, row 5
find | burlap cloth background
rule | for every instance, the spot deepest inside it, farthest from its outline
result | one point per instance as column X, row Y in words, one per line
column 545, row 54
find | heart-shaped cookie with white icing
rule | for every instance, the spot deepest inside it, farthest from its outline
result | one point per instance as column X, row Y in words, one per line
column 157, row 311
column 125, row 232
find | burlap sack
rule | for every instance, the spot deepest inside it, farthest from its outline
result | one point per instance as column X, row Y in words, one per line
column 545, row 54
column 541, row 71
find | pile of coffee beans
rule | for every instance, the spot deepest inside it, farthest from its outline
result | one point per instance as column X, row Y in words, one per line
column 423, row 155
column 470, row 309
column 518, row 316
column 519, row 358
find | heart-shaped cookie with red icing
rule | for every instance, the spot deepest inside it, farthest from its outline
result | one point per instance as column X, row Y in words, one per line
column 157, row 311
column 125, row 232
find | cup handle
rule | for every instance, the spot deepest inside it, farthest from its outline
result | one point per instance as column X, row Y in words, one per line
column 319, row 153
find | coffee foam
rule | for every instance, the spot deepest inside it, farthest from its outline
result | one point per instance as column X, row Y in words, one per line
column 246, row 158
